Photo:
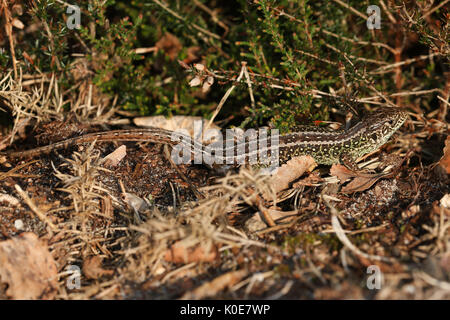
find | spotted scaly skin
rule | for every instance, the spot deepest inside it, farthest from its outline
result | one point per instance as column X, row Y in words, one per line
column 324, row 145
column 332, row 146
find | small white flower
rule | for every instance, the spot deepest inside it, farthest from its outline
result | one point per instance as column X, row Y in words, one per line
column 208, row 83
column 199, row 66
column 195, row 82
column 210, row 80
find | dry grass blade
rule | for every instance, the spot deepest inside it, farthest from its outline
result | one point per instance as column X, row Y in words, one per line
column 340, row 233
column 212, row 288
column 202, row 227
column 33, row 207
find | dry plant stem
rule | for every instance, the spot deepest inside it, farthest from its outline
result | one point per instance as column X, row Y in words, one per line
column 401, row 94
column 389, row 14
column 281, row 13
column 316, row 57
column 375, row 44
column 354, row 57
column 52, row 43
column 145, row 50
column 63, row 3
column 444, row 101
column 16, row 168
column 260, row 276
column 8, row 29
column 278, row 227
column 104, row 293
column 317, row 93
column 265, row 213
column 213, row 15
column 385, row 68
column 197, row 193
column 213, row 287
column 351, row 9
column 433, row 281
column 369, row 83
column 174, row 272
column 225, row 97
column 444, row 108
column 176, row 15
column 369, row 229
column 340, row 233
column 33, row 207
column 284, row 291
column 249, row 83
column 435, row 8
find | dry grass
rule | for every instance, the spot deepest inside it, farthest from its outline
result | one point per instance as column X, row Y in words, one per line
column 204, row 248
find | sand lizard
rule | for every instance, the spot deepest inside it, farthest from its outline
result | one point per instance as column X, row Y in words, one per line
column 326, row 146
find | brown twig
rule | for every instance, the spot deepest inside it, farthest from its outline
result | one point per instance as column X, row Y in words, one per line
column 176, row 15
column 361, row 42
column 213, row 15
column 33, row 207
column 225, row 97
column 443, row 108
column 8, row 29
column 402, row 63
column 434, row 9
column 388, row 13
column 362, row 15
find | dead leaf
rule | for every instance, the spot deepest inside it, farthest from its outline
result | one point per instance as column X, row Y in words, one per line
column 134, row 201
column 17, row 23
column 28, row 58
column 361, row 181
column 290, row 171
column 341, row 172
column 194, row 125
column 17, row 9
column 258, row 220
column 28, row 268
column 114, row 158
column 360, row 184
column 92, row 268
column 445, row 201
column 178, row 253
column 170, row 45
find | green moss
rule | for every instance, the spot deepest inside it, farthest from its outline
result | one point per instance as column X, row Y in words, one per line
column 292, row 243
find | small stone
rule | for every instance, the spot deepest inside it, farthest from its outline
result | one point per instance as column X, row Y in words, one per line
column 445, row 201
column 18, row 224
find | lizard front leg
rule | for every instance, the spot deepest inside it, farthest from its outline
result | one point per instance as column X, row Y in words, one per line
column 348, row 161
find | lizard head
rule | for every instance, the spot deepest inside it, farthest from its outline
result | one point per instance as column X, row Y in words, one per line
column 383, row 122
column 379, row 126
